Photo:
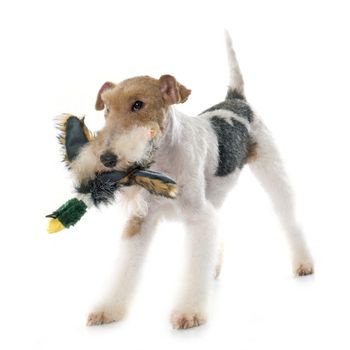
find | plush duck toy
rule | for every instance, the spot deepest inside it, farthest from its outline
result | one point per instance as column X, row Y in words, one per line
column 73, row 136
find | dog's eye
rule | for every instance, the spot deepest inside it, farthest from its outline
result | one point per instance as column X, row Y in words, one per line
column 137, row 106
column 107, row 109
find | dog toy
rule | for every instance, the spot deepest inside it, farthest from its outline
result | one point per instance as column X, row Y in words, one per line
column 73, row 136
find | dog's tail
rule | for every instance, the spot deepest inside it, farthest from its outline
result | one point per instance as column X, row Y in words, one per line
column 236, row 84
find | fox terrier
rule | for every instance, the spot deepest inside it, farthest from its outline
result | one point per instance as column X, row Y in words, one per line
column 205, row 155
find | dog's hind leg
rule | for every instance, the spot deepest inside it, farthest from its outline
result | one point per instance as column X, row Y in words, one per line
column 267, row 166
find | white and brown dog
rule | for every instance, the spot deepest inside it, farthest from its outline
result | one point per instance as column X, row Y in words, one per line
column 205, row 155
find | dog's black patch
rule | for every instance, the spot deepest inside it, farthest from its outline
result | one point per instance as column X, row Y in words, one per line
column 235, row 105
column 75, row 137
column 231, row 94
column 232, row 143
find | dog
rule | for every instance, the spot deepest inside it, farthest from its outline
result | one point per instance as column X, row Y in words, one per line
column 205, row 155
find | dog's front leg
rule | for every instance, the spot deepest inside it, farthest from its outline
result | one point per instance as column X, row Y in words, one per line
column 134, row 245
column 201, row 227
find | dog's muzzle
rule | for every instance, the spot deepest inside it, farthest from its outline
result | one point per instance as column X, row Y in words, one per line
column 109, row 160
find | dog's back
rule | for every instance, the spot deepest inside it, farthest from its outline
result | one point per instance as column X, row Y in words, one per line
column 231, row 120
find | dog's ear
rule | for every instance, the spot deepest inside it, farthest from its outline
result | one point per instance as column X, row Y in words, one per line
column 99, row 103
column 172, row 91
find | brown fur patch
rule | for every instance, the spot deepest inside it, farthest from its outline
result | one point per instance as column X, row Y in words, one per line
column 157, row 187
column 119, row 101
column 252, row 154
column 173, row 92
column 133, row 226
column 99, row 105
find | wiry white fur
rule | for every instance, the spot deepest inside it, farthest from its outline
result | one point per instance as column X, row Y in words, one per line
column 236, row 82
column 131, row 147
column 191, row 158
column 228, row 116
column 188, row 152
column 269, row 170
column 134, row 200
column 128, row 267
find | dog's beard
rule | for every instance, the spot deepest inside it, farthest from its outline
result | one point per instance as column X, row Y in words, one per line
column 134, row 148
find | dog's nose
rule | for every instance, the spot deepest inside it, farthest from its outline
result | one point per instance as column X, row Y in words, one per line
column 109, row 159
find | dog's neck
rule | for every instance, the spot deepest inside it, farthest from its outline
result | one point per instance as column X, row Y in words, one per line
column 168, row 147
column 172, row 129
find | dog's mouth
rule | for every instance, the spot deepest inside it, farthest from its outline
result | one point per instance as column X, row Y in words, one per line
column 110, row 161
column 134, row 149
column 107, row 181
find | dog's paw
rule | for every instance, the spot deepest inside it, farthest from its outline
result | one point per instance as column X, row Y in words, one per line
column 185, row 320
column 98, row 318
column 101, row 316
column 304, row 270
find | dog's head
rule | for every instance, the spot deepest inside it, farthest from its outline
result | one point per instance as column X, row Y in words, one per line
column 135, row 118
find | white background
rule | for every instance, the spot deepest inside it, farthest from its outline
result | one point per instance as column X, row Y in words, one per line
column 294, row 56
